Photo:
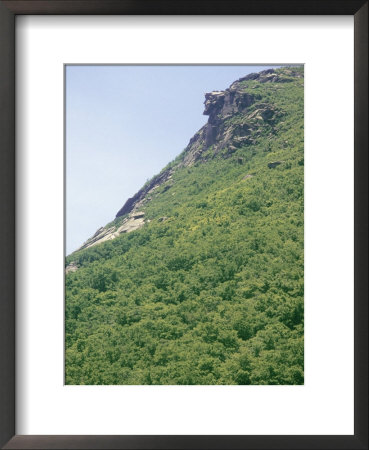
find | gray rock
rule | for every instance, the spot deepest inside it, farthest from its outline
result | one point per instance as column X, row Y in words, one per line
column 138, row 215
column 130, row 225
column 274, row 164
column 72, row 267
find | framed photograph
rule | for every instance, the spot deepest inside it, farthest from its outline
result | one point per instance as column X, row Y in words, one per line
column 184, row 225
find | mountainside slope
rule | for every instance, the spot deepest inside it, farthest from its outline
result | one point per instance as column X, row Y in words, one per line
column 199, row 279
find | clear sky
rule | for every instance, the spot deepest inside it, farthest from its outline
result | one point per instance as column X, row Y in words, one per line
column 123, row 125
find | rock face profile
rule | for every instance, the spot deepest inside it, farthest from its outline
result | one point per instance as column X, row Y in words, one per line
column 220, row 132
column 237, row 117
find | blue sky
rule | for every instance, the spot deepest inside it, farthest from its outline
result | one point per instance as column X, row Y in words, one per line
column 123, row 125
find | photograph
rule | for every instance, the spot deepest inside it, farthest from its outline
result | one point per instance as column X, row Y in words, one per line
column 184, row 224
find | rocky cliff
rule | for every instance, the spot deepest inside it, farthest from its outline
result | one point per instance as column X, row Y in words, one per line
column 237, row 117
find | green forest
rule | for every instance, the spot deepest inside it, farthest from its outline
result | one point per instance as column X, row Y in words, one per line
column 210, row 290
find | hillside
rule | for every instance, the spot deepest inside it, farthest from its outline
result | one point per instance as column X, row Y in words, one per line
column 199, row 278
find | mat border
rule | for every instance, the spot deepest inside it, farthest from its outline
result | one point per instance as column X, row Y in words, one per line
column 8, row 11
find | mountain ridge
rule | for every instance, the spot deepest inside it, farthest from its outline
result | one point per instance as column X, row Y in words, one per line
column 201, row 280
column 219, row 106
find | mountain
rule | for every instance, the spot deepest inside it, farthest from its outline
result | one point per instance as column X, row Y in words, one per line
column 199, row 278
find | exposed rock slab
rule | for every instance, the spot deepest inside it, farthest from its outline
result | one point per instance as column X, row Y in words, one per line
column 133, row 222
column 131, row 225
column 72, row 267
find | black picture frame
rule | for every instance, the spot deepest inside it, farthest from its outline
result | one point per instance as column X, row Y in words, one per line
column 8, row 11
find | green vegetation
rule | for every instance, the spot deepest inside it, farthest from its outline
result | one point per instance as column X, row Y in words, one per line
column 210, row 290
